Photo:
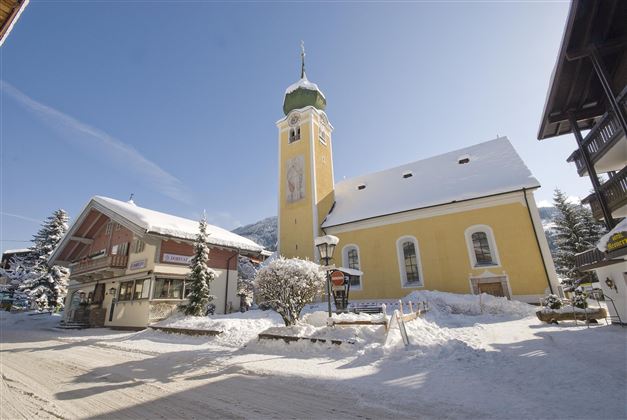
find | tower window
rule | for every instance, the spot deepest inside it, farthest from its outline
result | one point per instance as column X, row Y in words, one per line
column 361, row 187
column 323, row 137
column 407, row 174
column 463, row 159
column 294, row 134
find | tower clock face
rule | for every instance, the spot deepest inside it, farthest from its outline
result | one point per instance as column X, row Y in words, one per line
column 294, row 120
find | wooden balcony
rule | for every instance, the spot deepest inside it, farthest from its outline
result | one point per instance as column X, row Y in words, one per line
column 593, row 258
column 606, row 144
column 615, row 192
column 105, row 266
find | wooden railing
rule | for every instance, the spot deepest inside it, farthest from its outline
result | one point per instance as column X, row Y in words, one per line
column 112, row 261
column 588, row 258
column 615, row 192
column 601, row 137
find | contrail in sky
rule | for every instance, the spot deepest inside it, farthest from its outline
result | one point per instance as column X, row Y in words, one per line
column 122, row 154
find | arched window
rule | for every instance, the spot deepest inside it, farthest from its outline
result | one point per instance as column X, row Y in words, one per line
column 294, row 134
column 350, row 259
column 481, row 246
column 409, row 262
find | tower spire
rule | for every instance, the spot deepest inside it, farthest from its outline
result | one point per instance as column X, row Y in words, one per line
column 302, row 59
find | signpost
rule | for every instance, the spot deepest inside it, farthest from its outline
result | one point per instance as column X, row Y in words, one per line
column 341, row 287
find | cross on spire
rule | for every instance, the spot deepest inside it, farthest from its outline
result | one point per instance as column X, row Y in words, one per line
column 302, row 58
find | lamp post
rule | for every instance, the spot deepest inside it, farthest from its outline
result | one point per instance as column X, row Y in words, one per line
column 326, row 246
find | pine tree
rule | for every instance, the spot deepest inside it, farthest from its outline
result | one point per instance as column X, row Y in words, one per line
column 575, row 231
column 201, row 275
column 46, row 285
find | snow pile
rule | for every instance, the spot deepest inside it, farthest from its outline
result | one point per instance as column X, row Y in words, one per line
column 452, row 303
column 238, row 329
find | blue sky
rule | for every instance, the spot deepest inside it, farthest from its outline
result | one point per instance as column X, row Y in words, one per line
column 176, row 102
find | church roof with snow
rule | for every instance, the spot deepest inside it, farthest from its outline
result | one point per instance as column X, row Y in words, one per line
column 485, row 169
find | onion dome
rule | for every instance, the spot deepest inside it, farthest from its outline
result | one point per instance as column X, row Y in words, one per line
column 303, row 93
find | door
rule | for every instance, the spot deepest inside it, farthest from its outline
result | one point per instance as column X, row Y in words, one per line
column 494, row 289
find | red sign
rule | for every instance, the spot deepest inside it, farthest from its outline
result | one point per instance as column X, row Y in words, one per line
column 337, row 277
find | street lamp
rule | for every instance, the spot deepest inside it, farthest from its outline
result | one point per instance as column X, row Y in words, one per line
column 326, row 245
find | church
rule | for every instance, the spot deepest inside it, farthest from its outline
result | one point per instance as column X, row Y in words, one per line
column 462, row 222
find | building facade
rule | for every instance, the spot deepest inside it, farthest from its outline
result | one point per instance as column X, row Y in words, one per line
column 463, row 222
column 128, row 264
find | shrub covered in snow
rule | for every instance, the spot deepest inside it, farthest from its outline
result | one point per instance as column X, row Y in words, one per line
column 287, row 285
column 553, row 302
column 580, row 301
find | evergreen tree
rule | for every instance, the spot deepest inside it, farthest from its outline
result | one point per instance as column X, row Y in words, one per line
column 575, row 231
column 201, row 275
column 46, row 285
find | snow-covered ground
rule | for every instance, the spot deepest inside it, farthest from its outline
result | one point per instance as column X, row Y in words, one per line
column 488, row 359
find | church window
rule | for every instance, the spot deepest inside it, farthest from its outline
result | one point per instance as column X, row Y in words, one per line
column 409, row 262
column 323, row 137
column 294, row 134
column 350, row 259
column 481, row 246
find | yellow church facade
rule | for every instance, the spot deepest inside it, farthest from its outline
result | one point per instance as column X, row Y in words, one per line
column 462, row 222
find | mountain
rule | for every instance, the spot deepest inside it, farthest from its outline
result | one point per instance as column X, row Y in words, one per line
column 264, row 232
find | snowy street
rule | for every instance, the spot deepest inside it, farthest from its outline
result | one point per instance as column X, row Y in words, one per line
column 46, row 377
column 501, row 364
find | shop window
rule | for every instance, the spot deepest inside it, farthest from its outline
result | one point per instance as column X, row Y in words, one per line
column 126, row 291
column 141, row 289
column 168, row 289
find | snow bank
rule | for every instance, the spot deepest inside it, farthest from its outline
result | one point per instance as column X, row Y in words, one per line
column 452, row 303
column 238, row 329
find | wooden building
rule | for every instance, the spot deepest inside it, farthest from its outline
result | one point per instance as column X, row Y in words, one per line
column 128, row 264
column 588, row 92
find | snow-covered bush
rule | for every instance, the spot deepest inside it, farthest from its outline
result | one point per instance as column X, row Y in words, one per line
column 552, row 302
column 287, row 285
column 580, row 301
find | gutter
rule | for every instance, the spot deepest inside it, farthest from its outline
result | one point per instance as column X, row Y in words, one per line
column 535, row 234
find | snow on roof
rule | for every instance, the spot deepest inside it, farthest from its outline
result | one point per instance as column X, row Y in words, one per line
column 484, row 169
column 16, row 251
column 305, row 84
column 166, row 224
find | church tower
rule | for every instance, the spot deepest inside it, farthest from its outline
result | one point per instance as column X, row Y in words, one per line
column 305, row 167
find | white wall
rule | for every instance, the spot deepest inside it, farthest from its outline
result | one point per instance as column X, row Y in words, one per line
column 618, row 273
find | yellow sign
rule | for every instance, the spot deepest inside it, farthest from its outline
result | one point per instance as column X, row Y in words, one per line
column 617, row 241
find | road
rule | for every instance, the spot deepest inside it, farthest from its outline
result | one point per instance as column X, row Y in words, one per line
column 44, row 376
